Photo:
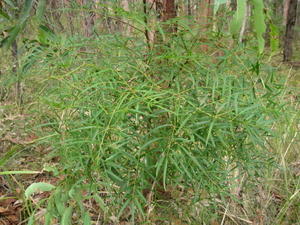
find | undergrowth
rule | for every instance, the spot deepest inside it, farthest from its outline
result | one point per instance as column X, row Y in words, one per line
column 136, row 132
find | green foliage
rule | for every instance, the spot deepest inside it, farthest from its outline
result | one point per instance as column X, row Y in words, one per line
column 131, row 126
column 37, row 187
column 217, row 4
column 18, row 172
column 19, row 18
column 238, row 17
column 10, row 153
column 67, row 216
column 259, row 25
column 41, row 9
column 258, row 18
column 274, row 38
column 274, row 31
column 4, row 14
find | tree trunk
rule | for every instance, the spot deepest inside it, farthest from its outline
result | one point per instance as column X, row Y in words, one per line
column 189, row 8
column 169, row 10
column 289, row 29
column 297, row 35
column 285, row 11
column 147, row 32
column 166, row 10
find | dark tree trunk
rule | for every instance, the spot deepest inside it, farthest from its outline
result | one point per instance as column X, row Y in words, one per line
column 147, row 36
column 169, row 10
column 289, row 30
column 166, row 10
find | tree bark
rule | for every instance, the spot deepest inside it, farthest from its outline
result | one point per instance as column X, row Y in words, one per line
column 169, row 10
column 285, row 11
column 289, row 29
column 189, row 9
column 147, row 33
column 166, row 10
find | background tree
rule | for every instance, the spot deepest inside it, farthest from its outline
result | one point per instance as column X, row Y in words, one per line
column 290, row 21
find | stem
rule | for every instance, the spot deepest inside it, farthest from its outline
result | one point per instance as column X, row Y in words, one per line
column 15, row 69
column 146, row 24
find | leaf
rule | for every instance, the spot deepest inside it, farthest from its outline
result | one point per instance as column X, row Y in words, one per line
column 139, row 206
column 40, row 11
column 37, row 187
column 165, row 173
column 25, row 13
column 238, row 17
column 159, row 164
column 52, row 169
column 75, row 194
column 115, row 178
column 274, row 37
column 9, row 154
column 149, row 143
column 10, row 3
column 123, row 207
column 259, row 23
column 209, row 132
column 31, row 220
column 86, row 219
column 4, row 14
column 100, row 202
column 48, row 218
column 60, row 198
column 183, row 124
column 46, row 33
column 12, row 35
column 67, row 216
column 19, row 172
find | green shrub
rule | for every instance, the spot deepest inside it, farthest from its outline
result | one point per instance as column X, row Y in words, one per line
column 137, row 126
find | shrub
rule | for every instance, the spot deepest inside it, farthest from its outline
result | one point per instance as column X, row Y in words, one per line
column 137, row 127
